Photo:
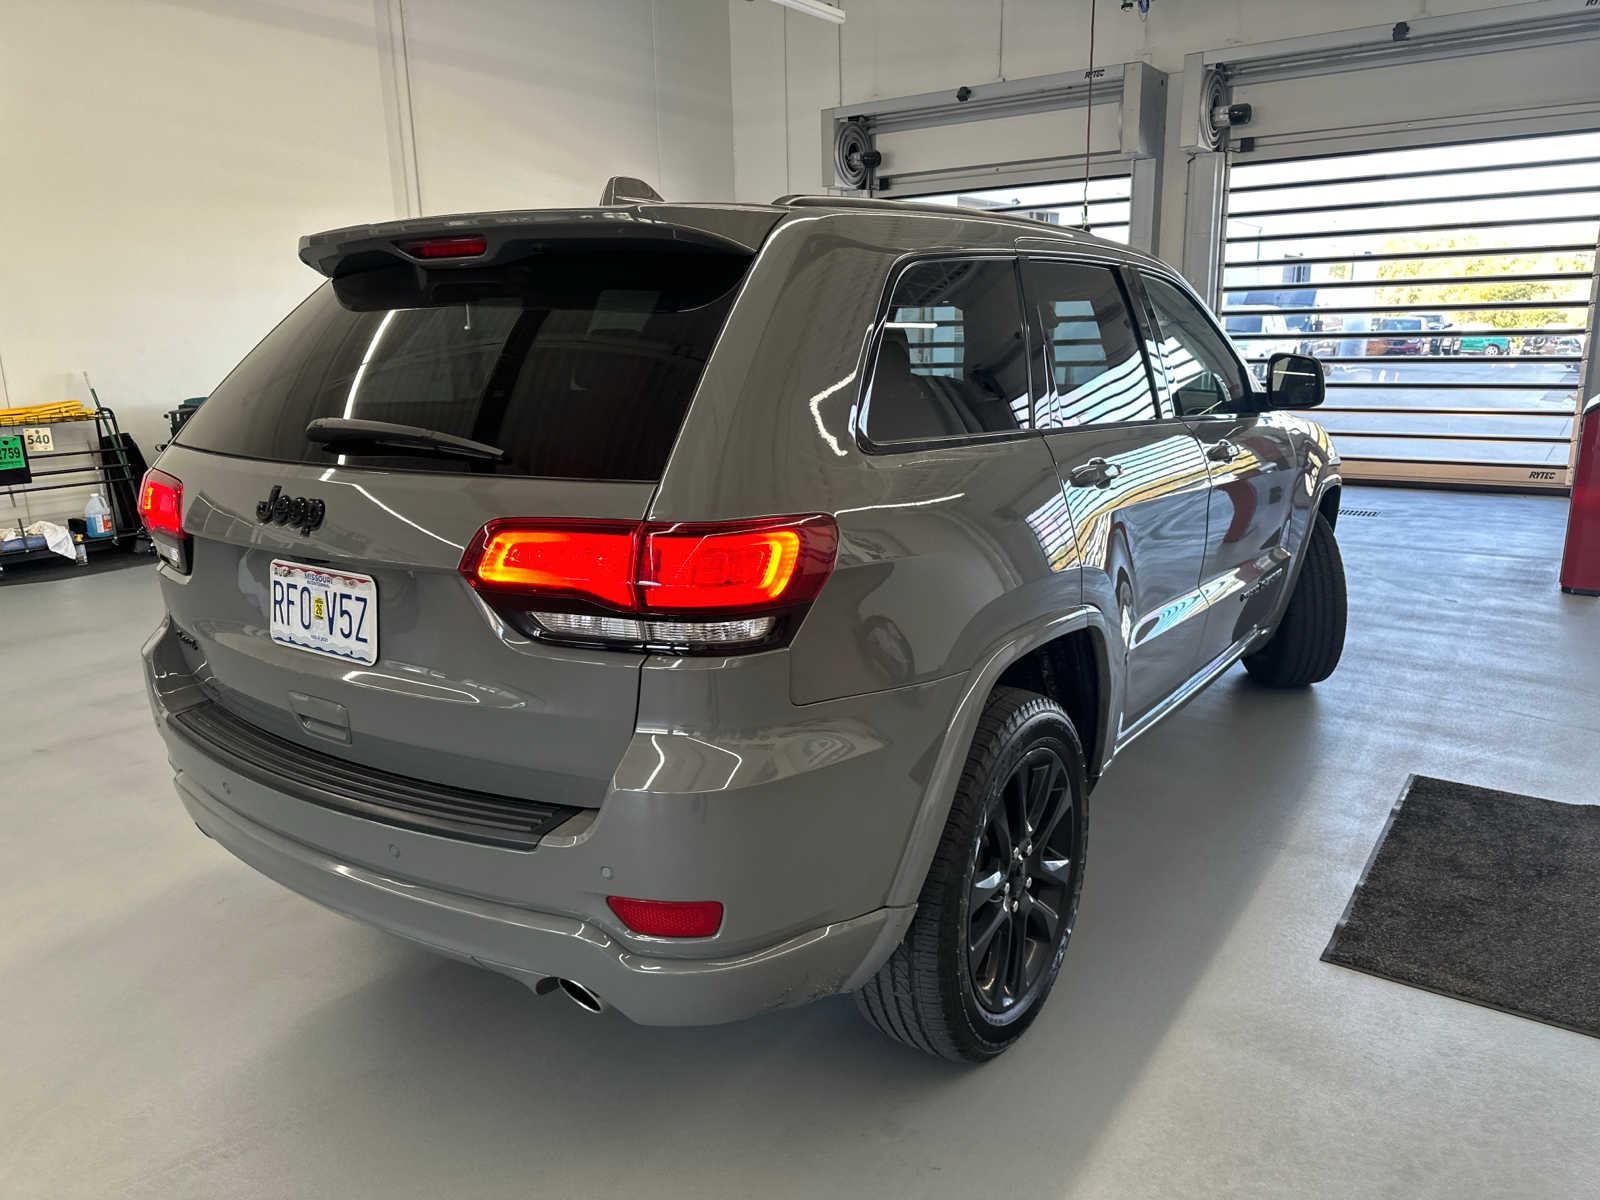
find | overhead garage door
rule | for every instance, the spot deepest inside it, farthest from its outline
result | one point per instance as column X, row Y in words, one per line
column 1019, row 145
column 1448, row 290
column 1110, row 202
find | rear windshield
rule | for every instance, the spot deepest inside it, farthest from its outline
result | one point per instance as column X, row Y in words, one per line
column 578, row 365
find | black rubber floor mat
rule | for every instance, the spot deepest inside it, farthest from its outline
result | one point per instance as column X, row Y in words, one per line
column 1485, row 896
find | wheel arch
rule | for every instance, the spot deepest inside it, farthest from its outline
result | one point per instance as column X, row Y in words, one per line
column 1328, row 502
column 1052, row 650
column 1325, row 500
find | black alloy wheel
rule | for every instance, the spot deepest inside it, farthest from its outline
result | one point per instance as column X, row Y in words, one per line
column 991, row 925
column 1023, row 873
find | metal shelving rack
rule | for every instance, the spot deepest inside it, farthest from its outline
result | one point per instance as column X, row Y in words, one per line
column 107, row 467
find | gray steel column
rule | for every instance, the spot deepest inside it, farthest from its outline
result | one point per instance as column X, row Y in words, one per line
column 1204, row 200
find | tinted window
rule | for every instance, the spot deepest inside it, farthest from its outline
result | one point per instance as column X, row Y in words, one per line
column 577, row 365
column 952, row 361
column 1202, row 371
column 1096, row 370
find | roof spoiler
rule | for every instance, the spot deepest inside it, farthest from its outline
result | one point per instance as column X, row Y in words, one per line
column 485, row 239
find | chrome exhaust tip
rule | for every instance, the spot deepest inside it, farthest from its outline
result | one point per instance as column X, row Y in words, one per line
column 581, row 996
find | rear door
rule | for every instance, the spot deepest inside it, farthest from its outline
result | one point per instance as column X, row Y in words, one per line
column 1135, row 481
column 1251, row 459
column 578, row 364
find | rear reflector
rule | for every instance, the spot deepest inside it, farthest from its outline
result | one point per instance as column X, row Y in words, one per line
column 725, row 571
column 161, row 503
column 469, row 246
column 669, row 918
column 587, row 627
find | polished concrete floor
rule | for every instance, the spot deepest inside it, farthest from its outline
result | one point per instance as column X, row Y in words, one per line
column 174, row 1025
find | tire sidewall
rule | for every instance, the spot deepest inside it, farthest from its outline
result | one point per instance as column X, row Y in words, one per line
column 1047, row 726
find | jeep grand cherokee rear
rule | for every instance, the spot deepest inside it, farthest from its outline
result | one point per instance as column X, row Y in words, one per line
column 412, row 590
column 710, row 608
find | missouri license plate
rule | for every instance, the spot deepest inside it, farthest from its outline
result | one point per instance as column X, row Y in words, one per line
column 324, row 611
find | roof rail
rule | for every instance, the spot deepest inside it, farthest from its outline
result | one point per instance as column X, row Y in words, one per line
column 798, row 200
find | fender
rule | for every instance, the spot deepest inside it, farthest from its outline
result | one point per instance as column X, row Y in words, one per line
column 1329, row 477
column 940, row 793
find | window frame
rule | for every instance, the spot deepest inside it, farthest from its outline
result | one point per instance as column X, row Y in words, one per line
column 1250, row 404
column 870, row 364
column 1121, row 275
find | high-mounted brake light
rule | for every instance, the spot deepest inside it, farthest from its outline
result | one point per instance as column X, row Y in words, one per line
column 600, row 581
column 161, row 503
column 668, row 918
column 465, row 246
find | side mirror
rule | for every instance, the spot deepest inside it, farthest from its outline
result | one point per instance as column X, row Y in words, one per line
column 1294, row 381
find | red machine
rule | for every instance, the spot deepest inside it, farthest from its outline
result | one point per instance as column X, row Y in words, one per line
column 1580, row 565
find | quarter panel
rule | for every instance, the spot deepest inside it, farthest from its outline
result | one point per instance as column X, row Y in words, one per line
column 957, row 547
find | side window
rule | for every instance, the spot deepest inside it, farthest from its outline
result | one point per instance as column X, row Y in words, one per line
column 953, row 360
column 1097, row 373
column 1202, row 370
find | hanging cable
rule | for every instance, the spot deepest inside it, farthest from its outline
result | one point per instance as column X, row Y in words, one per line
column 1088, row 121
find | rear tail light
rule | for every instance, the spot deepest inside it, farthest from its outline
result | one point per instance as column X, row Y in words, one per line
column 668, row 918
column 691, row 568
column 592, row 560
column 161, row 503
column 690, row 586
column 161, row 510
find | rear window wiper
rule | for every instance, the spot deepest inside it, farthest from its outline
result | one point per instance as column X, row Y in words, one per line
column 354, row 436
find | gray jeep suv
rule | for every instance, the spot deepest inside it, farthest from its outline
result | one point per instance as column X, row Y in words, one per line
column 703, row 609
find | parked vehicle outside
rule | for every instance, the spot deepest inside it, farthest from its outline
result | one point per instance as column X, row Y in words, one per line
column 1259, row 337
column 703, row 609
column 1438, row 330
column 1482, row 339
column 1405, row 336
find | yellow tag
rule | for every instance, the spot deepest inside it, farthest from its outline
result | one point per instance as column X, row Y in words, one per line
column 316, row 607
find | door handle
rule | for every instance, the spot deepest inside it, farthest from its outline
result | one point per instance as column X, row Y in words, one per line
column 1222, row 451
column 1096, row 472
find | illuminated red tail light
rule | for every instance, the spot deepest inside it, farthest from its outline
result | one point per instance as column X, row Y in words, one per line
column 748, row 566
column 465, row 246
column 161, row 503
column 576, row 559
column 668, row 918
column 744, row 567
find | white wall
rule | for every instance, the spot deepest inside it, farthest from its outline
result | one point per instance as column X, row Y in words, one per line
column 162, row 158
column 890, row 48
column 521, row 104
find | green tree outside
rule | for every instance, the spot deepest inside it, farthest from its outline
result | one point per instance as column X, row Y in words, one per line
column 1488, row 293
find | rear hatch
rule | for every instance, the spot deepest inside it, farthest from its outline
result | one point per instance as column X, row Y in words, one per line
column 324, row 602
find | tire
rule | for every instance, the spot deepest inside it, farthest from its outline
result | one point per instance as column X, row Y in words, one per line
column 1306, row 646
column 947, row 990
column 1492, row 349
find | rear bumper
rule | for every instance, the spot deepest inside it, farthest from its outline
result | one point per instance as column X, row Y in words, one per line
column 529, row 945
column 796, row 818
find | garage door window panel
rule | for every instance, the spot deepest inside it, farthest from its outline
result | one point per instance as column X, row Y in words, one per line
column 1109, row 206
column 1446, row 290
